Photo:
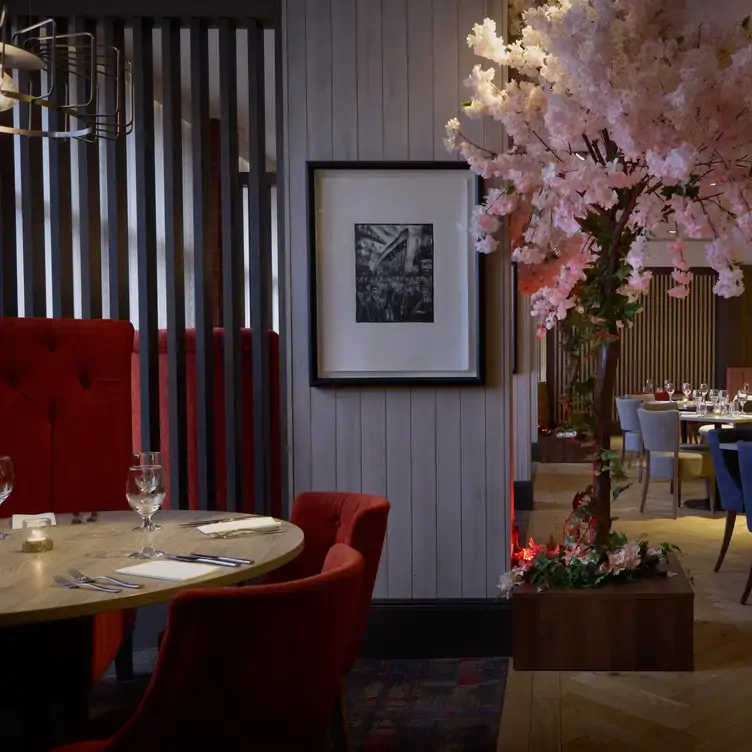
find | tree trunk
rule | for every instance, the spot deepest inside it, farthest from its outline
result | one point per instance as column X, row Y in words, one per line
column 603, row 400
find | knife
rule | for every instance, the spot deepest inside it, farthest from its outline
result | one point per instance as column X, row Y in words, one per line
column 231, row 559
column 201, row 560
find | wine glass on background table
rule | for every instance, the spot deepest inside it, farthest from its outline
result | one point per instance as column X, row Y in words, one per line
column 648, row 386
column 670, row 389
column 742, row 395
column 704, row 388
column 687, row 390
column 6, row 486
column 145, row 491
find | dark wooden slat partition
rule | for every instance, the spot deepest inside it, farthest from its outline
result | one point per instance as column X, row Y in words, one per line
column 85, row 163
column 113, row 186
column 232, row 261
column 203, row 263
column 146, row 232
column 174, row 260
column 8, row 280
column 259, row 243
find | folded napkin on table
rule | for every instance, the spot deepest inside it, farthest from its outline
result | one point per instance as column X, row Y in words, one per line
column 175, row 571
column 18, row 520
column 258, row 524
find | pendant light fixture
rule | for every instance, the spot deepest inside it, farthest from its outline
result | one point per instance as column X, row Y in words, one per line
column 70, row 73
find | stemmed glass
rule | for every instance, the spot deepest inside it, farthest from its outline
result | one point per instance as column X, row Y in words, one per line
column 6, row 486
column 742, row 395
column 713, row 396
column 669, row 387
column 150, row 459
column 648, row 386
column 145, row 491
column 704, row 390
column 687, row 390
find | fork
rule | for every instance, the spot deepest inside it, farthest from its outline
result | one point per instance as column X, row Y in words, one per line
column 80, row 577
column 62, row 582
column 200, row 523
column 242, row 533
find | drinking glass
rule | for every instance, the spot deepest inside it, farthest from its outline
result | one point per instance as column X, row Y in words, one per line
column 649, row 386
column 146, row 458
column 669, row 386
column 704, row 390
column 6, row 486
column 702, row 408
column 741, row 397
column 723, row 396
column 687, row 389
column 696, row 396
column 145, row 491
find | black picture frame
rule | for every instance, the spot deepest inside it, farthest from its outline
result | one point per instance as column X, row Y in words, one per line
column 316, row 379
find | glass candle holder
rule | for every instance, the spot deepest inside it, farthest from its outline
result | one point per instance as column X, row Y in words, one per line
column 37, row 536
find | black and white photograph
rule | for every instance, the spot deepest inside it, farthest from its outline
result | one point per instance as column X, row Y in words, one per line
column 394, row 273
column 394, row 280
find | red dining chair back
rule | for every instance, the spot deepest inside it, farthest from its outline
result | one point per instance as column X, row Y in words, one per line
column 327, row 518
column 65, row 402
column 248, row 668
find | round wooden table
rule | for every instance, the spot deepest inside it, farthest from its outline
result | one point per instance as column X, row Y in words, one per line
column 28, row 593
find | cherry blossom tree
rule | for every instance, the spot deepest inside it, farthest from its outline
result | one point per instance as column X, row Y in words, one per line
column 621, row 117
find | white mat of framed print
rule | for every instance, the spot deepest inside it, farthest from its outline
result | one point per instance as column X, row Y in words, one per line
column 395, row 288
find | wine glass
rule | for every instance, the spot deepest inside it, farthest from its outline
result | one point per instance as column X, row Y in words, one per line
column 669, row 387
column 696, row 396
column 648, row 386
column 151, row 459
column 723, row 395
column 742, row 395
column 704, row 390
column 687, row 390
column 6, row 486
column 713, row 396
column 145, row 491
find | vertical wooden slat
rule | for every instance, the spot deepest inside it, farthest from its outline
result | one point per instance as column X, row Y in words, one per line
column 30, row 202
column 172, row 155
column 86, row 196
column 113, row 193
column 232, row 264
column 146, row 232
column 57, row 190
column 203, row 263
column 260, row 268
column 8, row 252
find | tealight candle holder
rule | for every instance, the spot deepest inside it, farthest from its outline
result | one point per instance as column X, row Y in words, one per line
column 37, row 536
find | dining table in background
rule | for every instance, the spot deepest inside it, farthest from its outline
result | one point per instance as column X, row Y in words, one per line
column 50, row 686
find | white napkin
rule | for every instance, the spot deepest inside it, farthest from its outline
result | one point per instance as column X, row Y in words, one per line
column 259, row 524
column 18, row 520
column 175, row 571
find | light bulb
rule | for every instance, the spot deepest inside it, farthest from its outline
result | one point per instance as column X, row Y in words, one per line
column 8, row 84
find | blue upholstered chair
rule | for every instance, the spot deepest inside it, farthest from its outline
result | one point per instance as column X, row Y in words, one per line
column 745, row 473
column 726, row 465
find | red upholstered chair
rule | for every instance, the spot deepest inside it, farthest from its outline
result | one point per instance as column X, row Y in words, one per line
column 219, row 416
column 248, row 668
column 65, row 402
column 359, row 520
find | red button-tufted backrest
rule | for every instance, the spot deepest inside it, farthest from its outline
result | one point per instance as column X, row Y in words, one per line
column 328, row 518
column 65, row 413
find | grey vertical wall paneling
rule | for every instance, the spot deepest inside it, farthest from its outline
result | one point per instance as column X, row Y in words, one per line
column 57, row 195
column 323, row 447
column 259, row 214
column 394, row 34
column 446, row 104
column 345, row 117
column 297, row 124
column 146, row 233
column 172, row 155
column 232, row 264
column 203, row 262
column 8, row 254
column 420, row 98
column 500, row 404
column 371, row 147
column 398, row 442
column 85, row 171
column 113, row 193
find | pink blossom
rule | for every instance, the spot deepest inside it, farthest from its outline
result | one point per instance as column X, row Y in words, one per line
column 486, row 244
column 679, row 292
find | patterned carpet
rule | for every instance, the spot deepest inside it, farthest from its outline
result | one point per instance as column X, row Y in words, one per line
column 449, row 705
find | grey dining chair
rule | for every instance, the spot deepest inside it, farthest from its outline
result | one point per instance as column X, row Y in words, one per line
column 626, row 408
column 666, row 459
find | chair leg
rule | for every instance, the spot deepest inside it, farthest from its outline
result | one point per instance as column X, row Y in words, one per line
column 677, row 495
column 124, row 660
column 623, row 446
column 727, row 533
column 640, row 455
column 747, row 589
column 339, row 730
column 647, row 482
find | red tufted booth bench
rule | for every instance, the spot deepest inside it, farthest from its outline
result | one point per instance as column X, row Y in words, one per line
column 219, row 413
column 65, row 402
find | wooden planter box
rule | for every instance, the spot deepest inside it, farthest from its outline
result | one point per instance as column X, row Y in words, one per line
column 640, row 626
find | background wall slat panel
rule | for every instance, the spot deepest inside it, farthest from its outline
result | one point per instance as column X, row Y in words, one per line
column 8, row 252
column 671, row 339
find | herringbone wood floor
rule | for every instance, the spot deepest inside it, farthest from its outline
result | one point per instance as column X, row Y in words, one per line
column 705, row 710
